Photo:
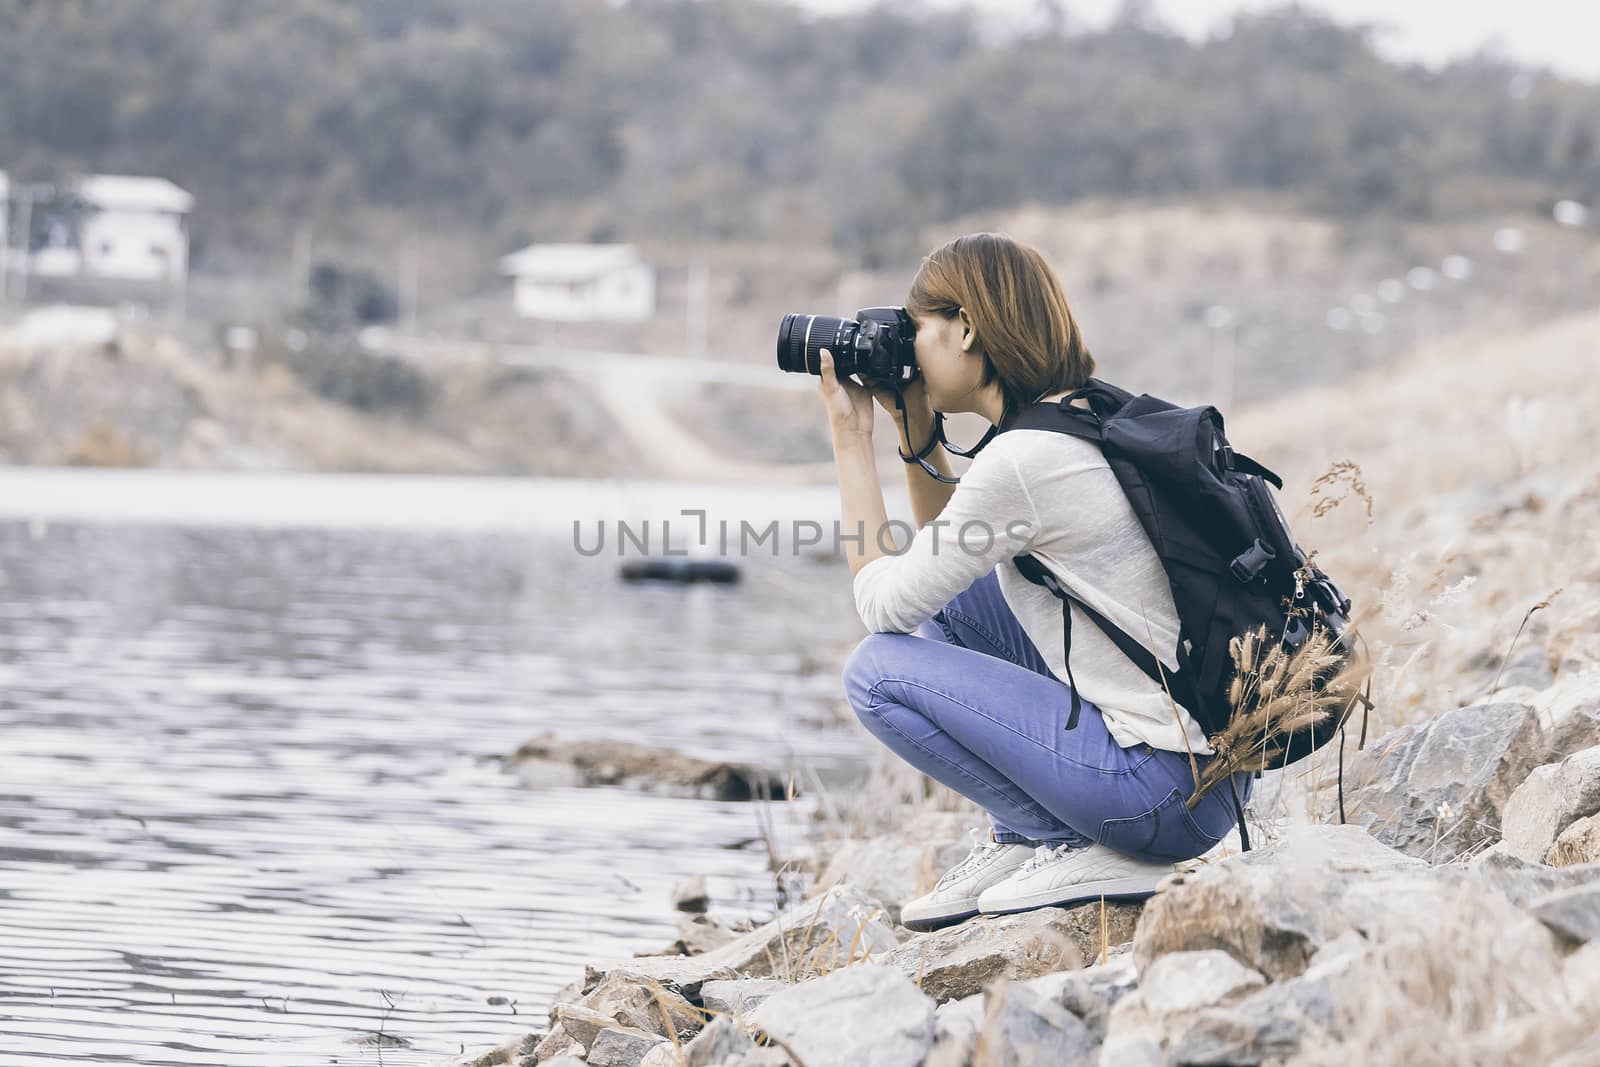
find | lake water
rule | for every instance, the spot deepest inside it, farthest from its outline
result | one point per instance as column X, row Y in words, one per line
column 250, row 811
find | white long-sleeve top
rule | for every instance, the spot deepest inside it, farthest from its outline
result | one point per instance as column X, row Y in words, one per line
column 1054, row 496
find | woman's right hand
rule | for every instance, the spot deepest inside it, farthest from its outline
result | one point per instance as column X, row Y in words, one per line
column 917, row 407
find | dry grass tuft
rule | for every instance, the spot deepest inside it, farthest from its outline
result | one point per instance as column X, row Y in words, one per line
column 1341, row 471
column 1277, row 694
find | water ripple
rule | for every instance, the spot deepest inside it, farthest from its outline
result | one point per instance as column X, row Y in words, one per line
column 250, row 812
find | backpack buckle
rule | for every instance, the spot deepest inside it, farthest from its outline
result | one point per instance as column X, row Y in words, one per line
column 1249, row 563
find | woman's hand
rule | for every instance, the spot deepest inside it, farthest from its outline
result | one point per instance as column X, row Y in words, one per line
column 914, row 398
column 848, row 404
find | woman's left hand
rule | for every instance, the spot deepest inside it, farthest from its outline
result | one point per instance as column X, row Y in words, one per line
column 849, row 405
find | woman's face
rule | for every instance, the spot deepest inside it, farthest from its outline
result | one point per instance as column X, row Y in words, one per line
column 950, row 369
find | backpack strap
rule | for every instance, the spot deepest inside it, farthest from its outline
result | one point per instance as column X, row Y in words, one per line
column 1245, row 465
column 1177, row 683
column 1048, row 416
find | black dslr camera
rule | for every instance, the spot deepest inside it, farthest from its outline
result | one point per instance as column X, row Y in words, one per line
column 878, row 345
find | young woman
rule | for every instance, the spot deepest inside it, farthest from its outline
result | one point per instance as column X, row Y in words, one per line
column 961, row 673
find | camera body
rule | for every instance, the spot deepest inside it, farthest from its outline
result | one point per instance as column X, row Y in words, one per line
column 878, row 345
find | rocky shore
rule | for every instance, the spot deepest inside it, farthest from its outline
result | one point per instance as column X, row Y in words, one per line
column 1452, row 917
column 1455, row 918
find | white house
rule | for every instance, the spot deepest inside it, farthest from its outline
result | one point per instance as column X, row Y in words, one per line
column 581, row 283
column 119, row 227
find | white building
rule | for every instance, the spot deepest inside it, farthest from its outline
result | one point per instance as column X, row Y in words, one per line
column 109, row 226
column 581, row 283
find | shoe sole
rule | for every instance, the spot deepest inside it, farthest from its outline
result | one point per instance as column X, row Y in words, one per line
column 935, row 922
column 1120, row 889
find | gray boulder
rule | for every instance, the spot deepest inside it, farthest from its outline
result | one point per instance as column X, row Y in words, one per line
column 1571, row 914
column 724, row 1044
column 1577, row 844
column 1569, row 713
column 1023, row 1029
column 961, row 960
column 1520, row 881
column 865, row 1014
column 1186, row 981
column 697, row 935
column 508, row 1052
column 1092, row 992
column 582, row 1024
column 955, row 1030
column 555, row 1044
column 1551, row 799
column 1273, row 907
column 1270, row 1024
column 738, row 996
column 629, row 1000
column 1436, row 789
column 623, row 1046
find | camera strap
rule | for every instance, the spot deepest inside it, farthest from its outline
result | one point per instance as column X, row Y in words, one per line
column 919, row 457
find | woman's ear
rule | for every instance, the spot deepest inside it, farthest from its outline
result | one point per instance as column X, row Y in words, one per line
column 968, row 333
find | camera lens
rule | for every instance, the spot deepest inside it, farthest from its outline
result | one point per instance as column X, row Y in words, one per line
column 801, row 339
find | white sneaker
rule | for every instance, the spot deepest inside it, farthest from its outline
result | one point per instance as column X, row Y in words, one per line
column 956, row 896
column 1067, row 875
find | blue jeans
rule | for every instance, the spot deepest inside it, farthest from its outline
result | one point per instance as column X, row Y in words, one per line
column 968, row 701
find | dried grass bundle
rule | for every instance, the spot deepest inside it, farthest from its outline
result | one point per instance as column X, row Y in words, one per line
column 1278, row 693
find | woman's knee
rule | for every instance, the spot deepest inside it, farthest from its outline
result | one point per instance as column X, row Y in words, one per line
column 868, row 665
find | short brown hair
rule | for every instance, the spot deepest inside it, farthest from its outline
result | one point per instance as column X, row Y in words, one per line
column 1027, row 336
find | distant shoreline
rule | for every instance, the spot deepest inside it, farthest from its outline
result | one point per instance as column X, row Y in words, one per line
column 385, row 501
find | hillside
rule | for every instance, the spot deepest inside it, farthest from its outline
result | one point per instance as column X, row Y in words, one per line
column 466, row 128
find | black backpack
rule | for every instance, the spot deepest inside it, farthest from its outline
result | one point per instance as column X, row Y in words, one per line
column 1234, row 569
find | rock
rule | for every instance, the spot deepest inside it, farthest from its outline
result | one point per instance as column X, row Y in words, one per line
column 1569, row 713
column 723, row 1044
column 898, row 867
column 631, row 1001
column 1091, row 993
column 1552, row 798
column 570, row 993
column 556, row 1043
column 1436, row 789
column 811, row 937
column 865, row 1014
column 960, row 960
column 697, row 935
column 1523, row 882
column 1023, row 1029
column 1527, row 671
column 955, row 1030
column 506, row 1053
column 1401, row 996
column 1185, row 981
column 1270, row 908
column 1578, row 843
column 623, row 1046
column 691, row 895
column 565, row 1061
column 1571, row 914
column 1240, row 1022
column 1269, row 1025
column 740, row 996
column 582, row 1024
column 622, row 763
column 721, row 1040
